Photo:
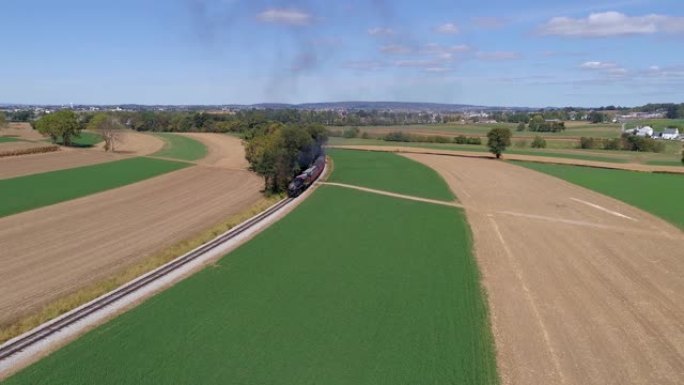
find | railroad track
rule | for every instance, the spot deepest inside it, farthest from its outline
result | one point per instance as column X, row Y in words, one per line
column 40, row 333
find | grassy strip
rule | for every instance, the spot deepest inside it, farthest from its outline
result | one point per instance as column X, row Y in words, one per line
column 389, row 172
column 181, row 148
column 38, row 190
column 31, row 150
column 7, row 139
column 483, row 149
column 338, row 292
column 85, row 139
column 659, row 194
column 89, row 293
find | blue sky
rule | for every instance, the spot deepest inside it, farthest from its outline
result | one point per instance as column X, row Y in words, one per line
column 488, row 52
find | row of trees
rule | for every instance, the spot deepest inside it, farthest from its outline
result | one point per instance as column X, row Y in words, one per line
column 278, row 151
column 626, row 142
column 65, row 125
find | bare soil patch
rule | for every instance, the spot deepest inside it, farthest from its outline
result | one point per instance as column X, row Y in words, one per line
column 582, row 288
column 531, row 158
column 133, row 144
column 223, row 151
column 54, row 251
column 21, row 131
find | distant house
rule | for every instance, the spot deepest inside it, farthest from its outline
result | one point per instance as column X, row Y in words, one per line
column 670, row 134
column 646, row 131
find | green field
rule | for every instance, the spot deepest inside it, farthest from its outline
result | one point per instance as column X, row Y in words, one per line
column 181, row 148
column 38, row 190
column 389, row 172
column 85, row 139
column 338, row 292
column 350, row 288
column 6, row 139
column 659, row 194
column 671, row 155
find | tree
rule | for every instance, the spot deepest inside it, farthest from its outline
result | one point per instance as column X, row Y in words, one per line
column 596, row 117
column 538, row 142
column 62, row 124
column 521, row 126
column 498, row 139
column 672, row 112
column 107, row 126
column 3, row 120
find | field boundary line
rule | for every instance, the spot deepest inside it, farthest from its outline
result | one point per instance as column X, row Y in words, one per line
column 636, row 167
column 601, row 208
column 528, row 295
column 394, row 195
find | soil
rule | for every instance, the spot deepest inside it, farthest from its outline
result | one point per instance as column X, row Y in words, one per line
column 582, row 288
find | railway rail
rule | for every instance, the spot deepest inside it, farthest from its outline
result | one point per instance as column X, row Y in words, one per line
column 48, row 329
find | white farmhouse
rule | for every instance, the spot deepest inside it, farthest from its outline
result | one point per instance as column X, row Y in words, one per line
column 670, row 134
column 646, row 131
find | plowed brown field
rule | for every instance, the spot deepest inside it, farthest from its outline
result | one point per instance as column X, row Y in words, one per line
column 582, row 288
column 132, row 144
column 54, row 251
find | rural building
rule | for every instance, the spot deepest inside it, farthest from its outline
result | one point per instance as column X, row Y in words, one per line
column 646, row 131
column 670, row 134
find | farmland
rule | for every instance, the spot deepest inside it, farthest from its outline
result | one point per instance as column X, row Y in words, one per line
column 386, row 171
column 93, row 244
column 582, row 288
column 38, row 190
column 181, row 148
column 378, row 300
column 659, row 194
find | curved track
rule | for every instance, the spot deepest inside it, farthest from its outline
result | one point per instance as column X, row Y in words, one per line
column 22, row 342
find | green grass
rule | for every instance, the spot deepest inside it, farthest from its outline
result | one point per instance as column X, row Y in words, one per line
column 85, row 139
column 350, row 288
column 389, row 172
column 38, row 190
column 7, row 139
column 659, row 194
column 181, row 148
column 614, row 156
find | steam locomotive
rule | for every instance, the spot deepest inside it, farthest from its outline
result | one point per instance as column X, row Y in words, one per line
column 302, row 181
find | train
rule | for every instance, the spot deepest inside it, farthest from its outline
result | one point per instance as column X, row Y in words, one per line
column 302, row 181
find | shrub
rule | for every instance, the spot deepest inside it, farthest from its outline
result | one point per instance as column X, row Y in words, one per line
column 520, row 143
column 538, row 142
column 397, row 136
column 461, row 139
column 589, row 143
column 351, row 132
column 613, row 144
column 475, row 140
column 521, row 127
column 365, row 136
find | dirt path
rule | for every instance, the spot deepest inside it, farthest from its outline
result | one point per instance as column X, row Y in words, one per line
column 542, row 159
column 583, row 289
column 53, row 251
column 133, row 144
column 223, row 150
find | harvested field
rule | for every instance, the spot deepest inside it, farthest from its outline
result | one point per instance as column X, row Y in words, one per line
column 17, row 148
column 583, row 289
column 223, row 151
column 133, row 144
column 109, row 231
column 531, row 158
column 22, row 131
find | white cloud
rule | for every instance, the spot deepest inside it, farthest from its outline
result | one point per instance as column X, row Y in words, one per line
column 597, row 65
column 396, row 49
column 608, row 24
column 285, row 16
column 498, row 55
column 448, row 29
column 378, row 31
